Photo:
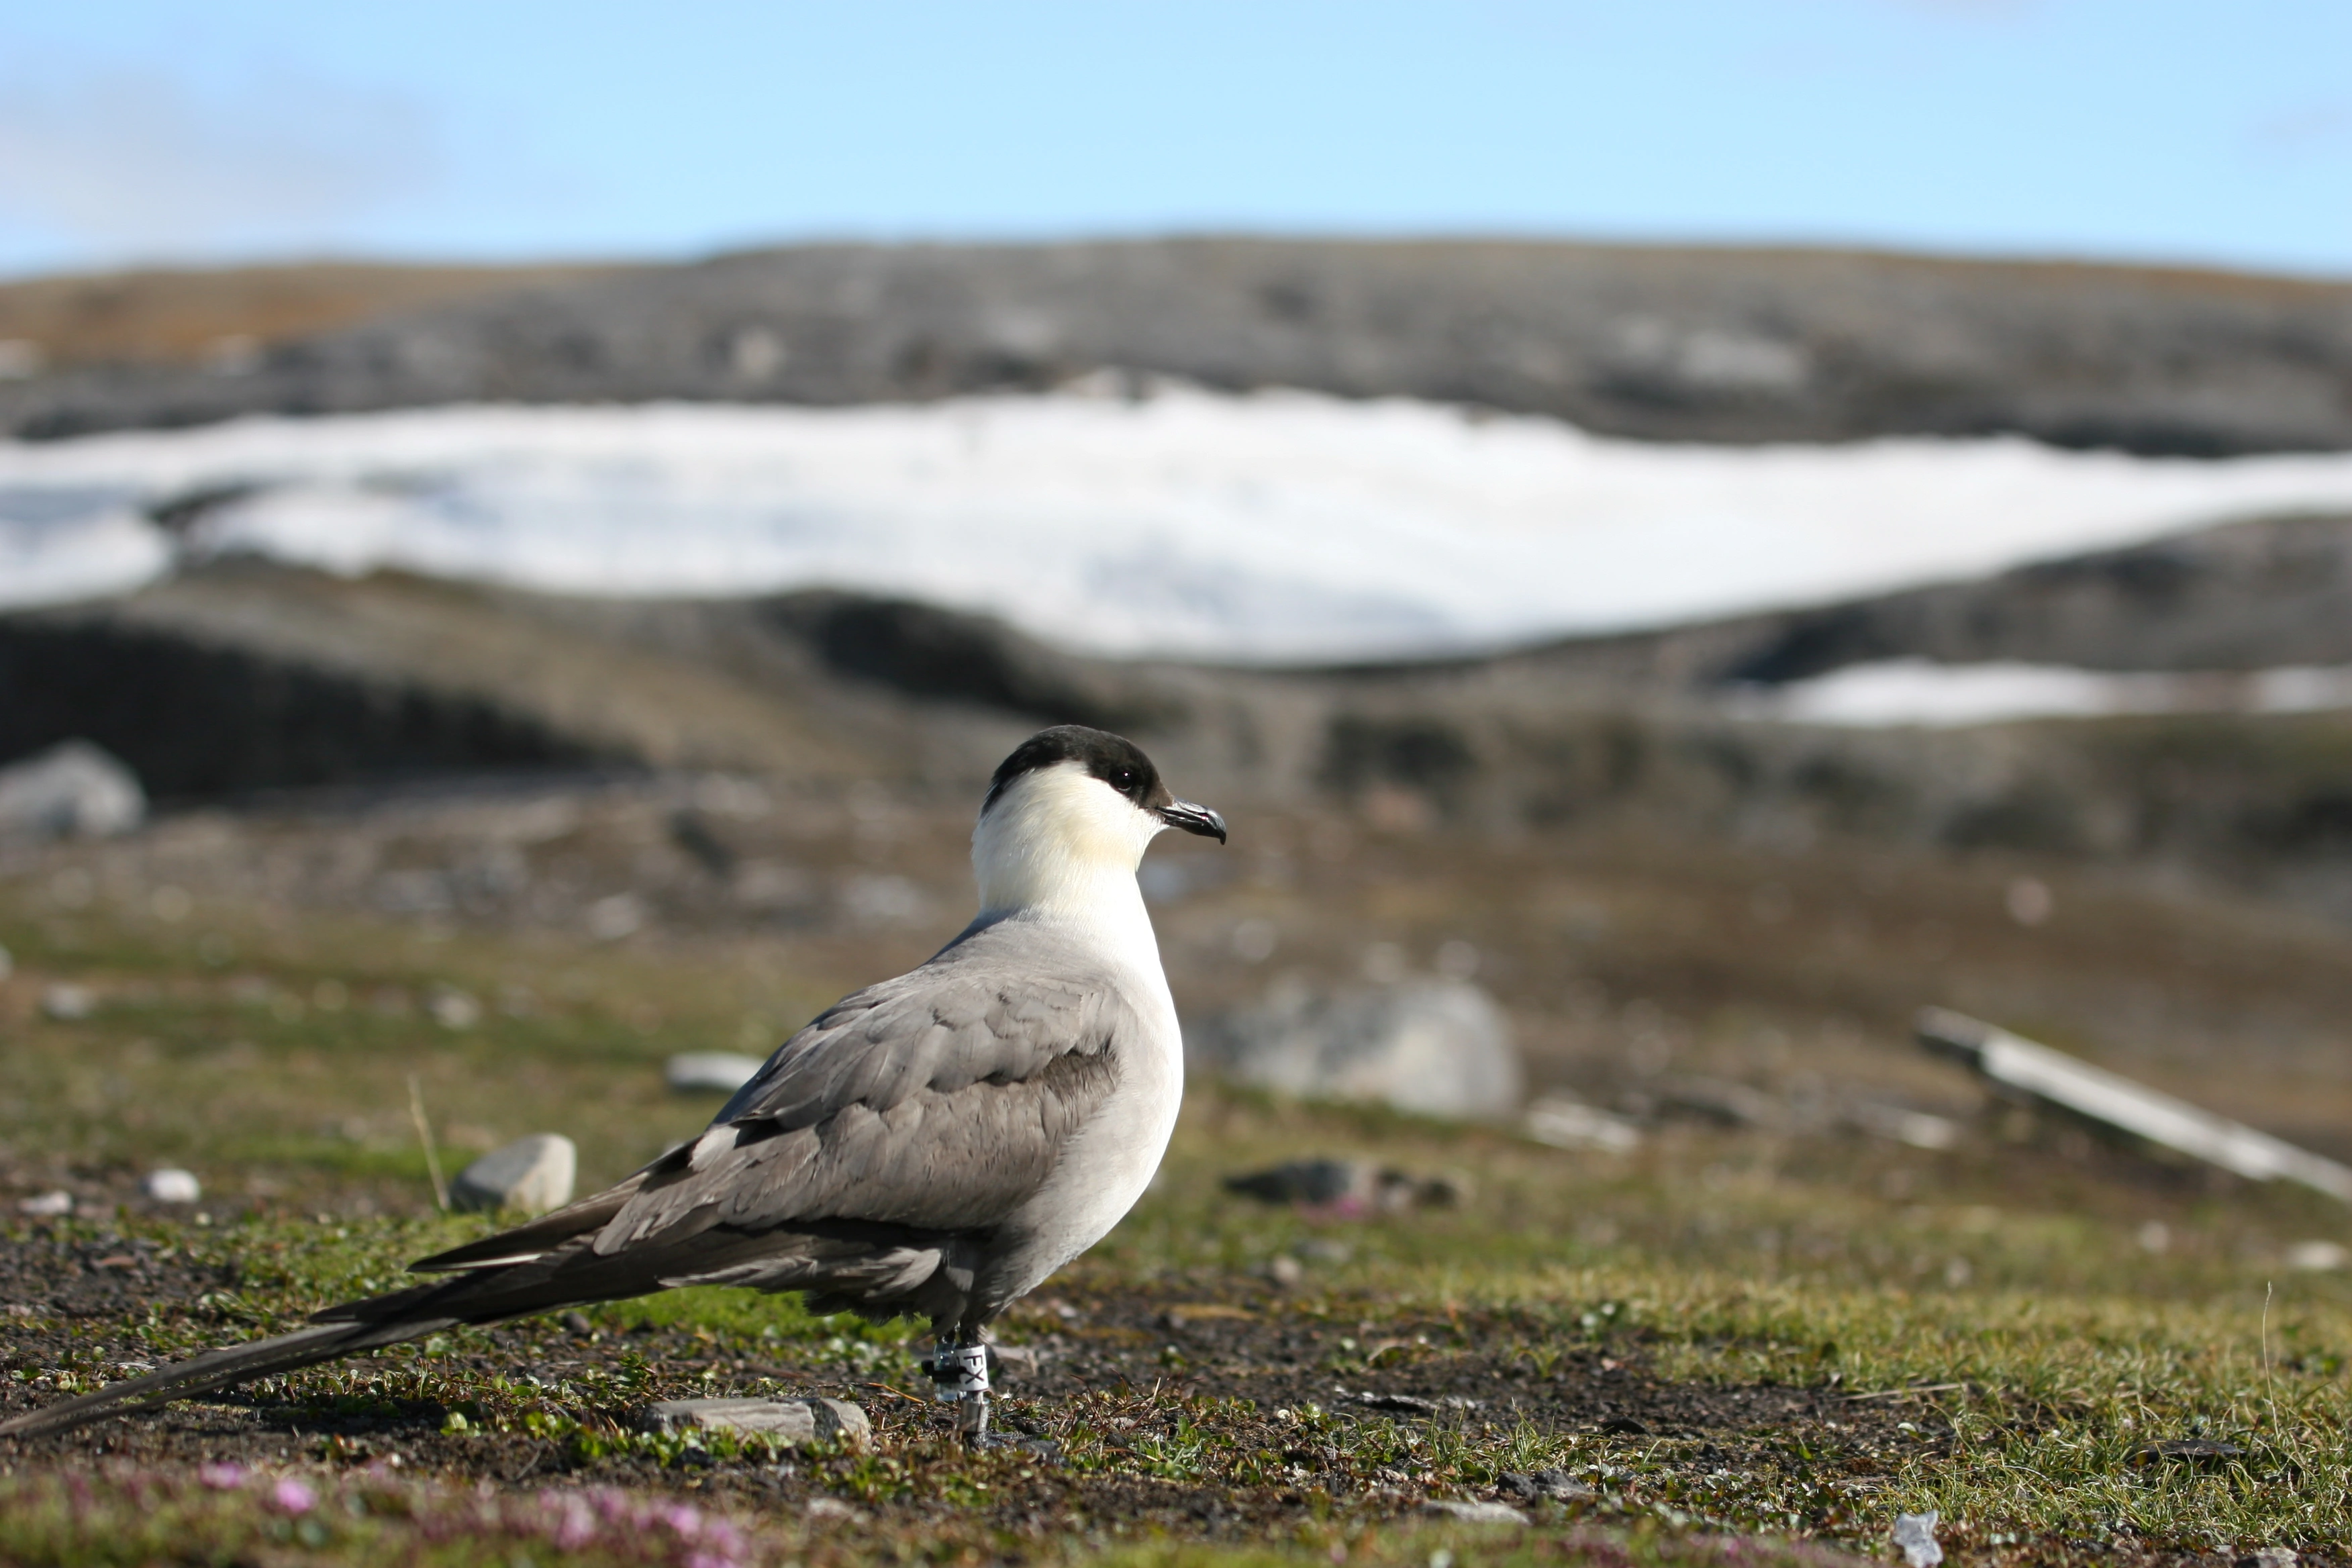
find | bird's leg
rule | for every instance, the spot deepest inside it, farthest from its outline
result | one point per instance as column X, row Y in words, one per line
column 959, row 1373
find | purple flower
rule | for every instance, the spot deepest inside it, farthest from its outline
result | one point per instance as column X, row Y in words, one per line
column 222, row 1478
column 682, row 1518
column 575, row 1522
column 293, row 1496
column 712, row 1560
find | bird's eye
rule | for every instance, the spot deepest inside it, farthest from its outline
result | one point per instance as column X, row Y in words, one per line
column 1124, row 779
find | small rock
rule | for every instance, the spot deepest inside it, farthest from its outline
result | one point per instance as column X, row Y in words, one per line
column 1915, row 1534
column 1015, row 1361
column 1720, row 1101
column 710, row 1072
column 1475, row 1512
column 73, row 790
column 795, row 1421
column 2268, row 1557
column 1536, row 1486
column 1434, row 1047
column 172, row 1185
column 575, row 1323
column 1285, row 1272
column 1305, row 1182
column 48, row 1205
column 68, row 1003
column 1355, row 1187
column 1624, row 1426
column 454, row 1010
column 2317, row 1257
column 2195, row 1450
column 610, row 920
column 833, row 1510
column 1412, row 1403
column 1919, row 1128
column 533, row 1174
column 1571, row 1124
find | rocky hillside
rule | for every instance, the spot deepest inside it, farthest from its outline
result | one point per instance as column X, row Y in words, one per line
column 244, row 677
column 2248, row 595
column 1663, row 344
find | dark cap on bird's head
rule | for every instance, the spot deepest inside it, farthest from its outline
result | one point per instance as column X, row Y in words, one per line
column 1117, row 762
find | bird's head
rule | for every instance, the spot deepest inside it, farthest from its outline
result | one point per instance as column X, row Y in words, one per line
column 1068, row 814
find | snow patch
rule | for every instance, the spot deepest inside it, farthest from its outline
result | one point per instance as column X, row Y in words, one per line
column 1915, row 692
column 1267, row 527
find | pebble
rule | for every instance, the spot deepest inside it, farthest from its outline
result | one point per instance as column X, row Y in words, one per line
column 710, row 1072
column 1355, row 1186
column 1915, row 1534
column 73, row 790
column 1434, row 1047
column 172, row 1185
column 1536, row 1485
column 834, row 1510
column 796, row 1421
column 48, row 1205
column 68, row 1002
column 533, row 1174
column 1475, row 1512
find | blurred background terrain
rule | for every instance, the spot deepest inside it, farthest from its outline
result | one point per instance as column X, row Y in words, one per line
column 1738, row 852
column 1677, row 537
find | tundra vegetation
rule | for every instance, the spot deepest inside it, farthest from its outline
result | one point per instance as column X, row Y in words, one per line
column 1735, row 1343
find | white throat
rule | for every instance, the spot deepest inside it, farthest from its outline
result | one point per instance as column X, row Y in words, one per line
column 1061, row 843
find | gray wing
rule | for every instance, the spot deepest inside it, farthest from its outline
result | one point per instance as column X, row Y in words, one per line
column 938, row 1100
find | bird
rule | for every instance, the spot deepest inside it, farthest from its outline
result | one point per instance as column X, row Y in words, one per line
column 933, row 1146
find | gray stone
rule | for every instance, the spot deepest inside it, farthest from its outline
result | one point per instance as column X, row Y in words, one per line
column 68, row 1003
column 73, row 790
column 1566, row 1123
column 1539, row 1486
column 1349, row 1184
column 2035, row 1072
column 533, row 1174
column 795, row 1421
column 1435, row 1047
column 710, row 1072
column 1475, row 1512
column 172, row 1185
column 1914, row 1534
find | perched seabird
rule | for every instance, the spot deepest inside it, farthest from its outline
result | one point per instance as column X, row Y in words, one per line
column 936, row 1145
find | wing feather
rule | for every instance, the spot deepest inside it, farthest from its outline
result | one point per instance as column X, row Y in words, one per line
column 939, row 1101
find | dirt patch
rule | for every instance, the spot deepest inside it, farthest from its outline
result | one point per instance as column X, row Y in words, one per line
column 1203, row 1416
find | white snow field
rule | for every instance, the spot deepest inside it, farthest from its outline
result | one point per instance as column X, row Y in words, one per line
column 1915, row 692
column 1271, row 527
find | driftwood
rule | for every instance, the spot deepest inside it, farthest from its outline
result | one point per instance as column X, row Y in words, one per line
column 2018, row 1067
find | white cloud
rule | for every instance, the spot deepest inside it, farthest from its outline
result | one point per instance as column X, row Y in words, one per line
column 136, row 161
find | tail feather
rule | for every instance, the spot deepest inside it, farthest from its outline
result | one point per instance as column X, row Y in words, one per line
column 220, row 1368
column 536, row 1240
column 868, row 1266
column 568, row 1275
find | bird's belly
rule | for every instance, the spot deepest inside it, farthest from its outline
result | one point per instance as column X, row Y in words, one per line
column 1104, row 1169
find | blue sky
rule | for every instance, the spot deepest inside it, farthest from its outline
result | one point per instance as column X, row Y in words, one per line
column 234, row 129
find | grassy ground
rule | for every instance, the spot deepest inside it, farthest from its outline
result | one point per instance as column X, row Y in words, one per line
column 1737, row 1346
